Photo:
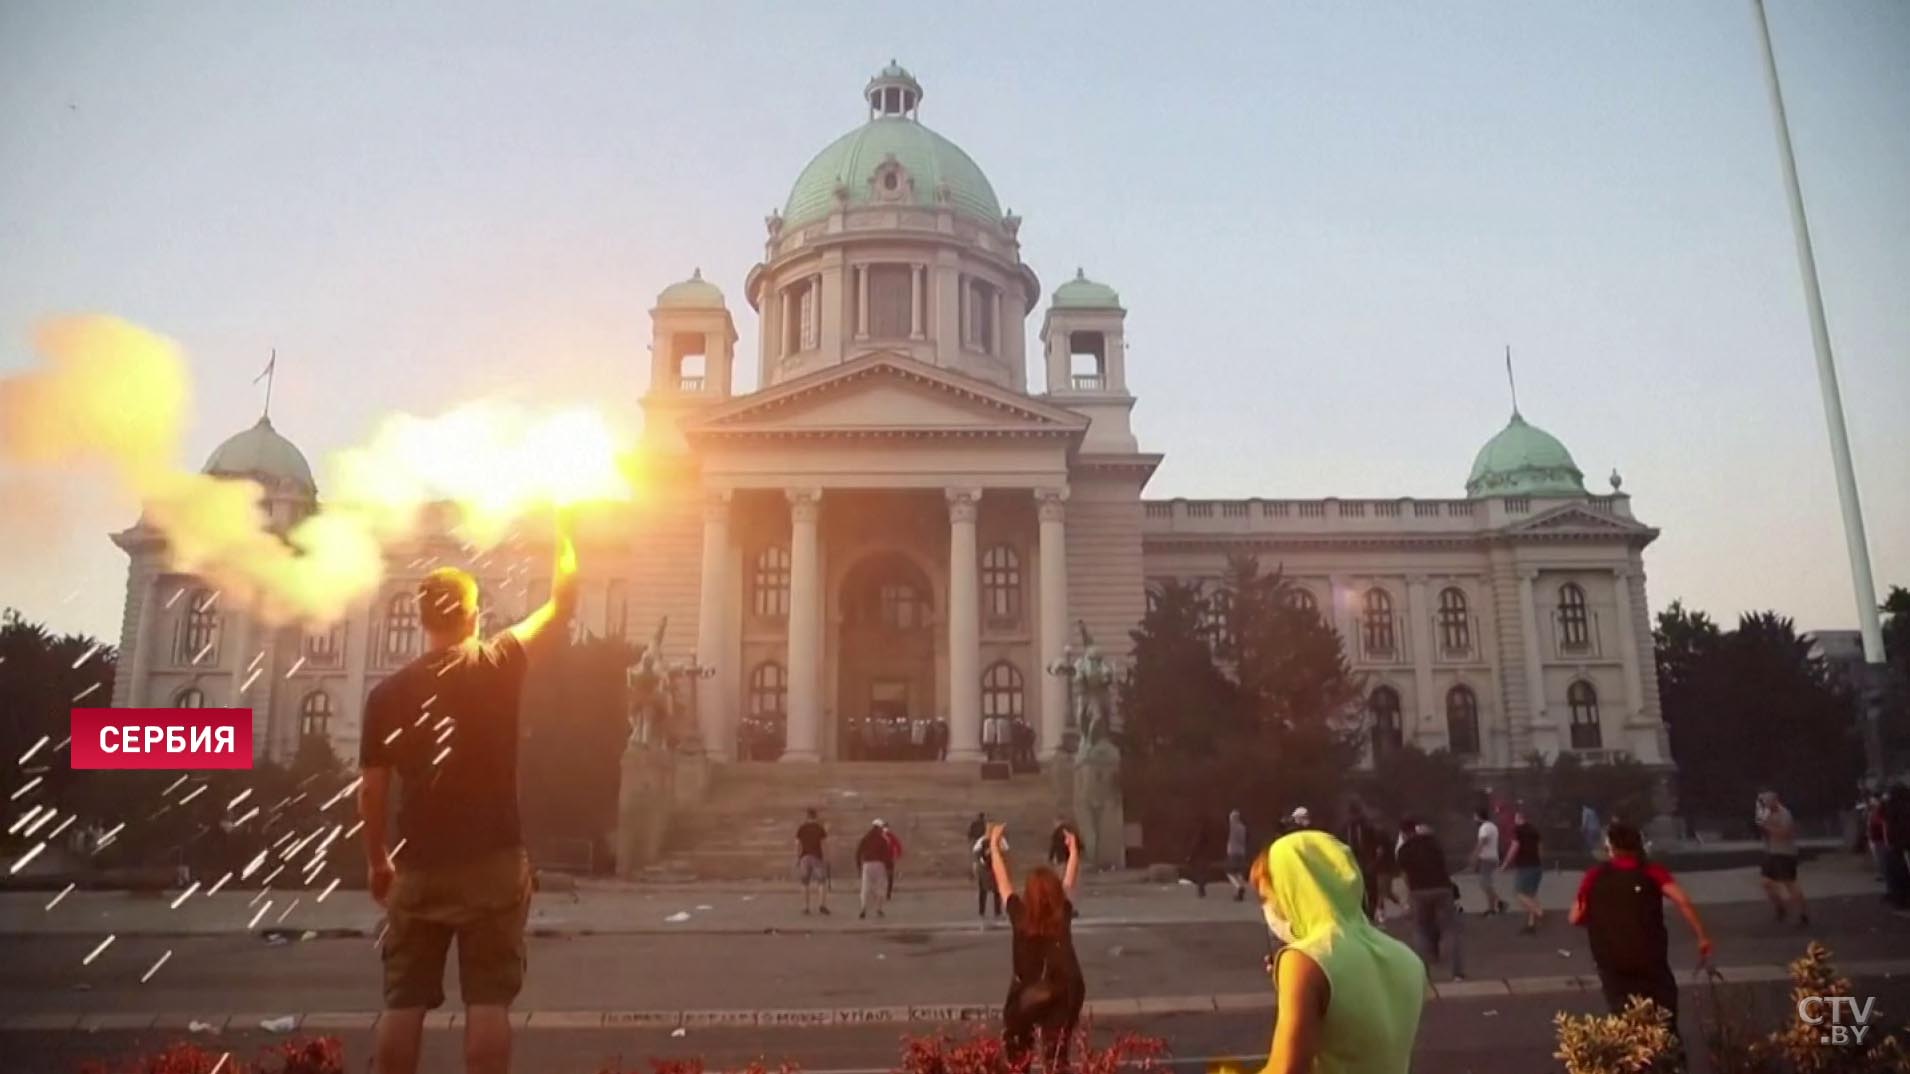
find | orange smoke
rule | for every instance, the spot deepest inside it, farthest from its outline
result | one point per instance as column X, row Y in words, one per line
column 110, row 392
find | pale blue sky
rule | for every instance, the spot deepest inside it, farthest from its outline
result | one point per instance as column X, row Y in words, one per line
column 1327, row 219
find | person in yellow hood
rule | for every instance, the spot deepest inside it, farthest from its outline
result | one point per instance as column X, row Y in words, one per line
column 1349, row 995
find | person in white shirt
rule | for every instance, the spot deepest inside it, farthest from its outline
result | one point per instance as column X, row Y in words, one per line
column 1485, row 855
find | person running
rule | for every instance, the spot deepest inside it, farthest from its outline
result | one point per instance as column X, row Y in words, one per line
column 447, row 724
column 1620, row 904
column 1237, row 855
column 1363, row 839
column 1780, row 859
column 1432, row 898
column 1047, row 991
column 873, row 858
column 895, row 859
column 985, row 886
column 1527, row 868
column 1348, row 996
column 812, row 867
column 1485, row 860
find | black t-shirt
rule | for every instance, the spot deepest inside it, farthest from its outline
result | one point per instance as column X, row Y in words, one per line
column 1527, row 855
column 1032, row 952
column 1424, row 864
column 809, row 839
column 447, row 724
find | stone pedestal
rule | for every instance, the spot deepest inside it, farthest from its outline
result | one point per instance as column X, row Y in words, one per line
column 691, row 779
column 1061, row 780
column 645, row 798
column 1098, row 813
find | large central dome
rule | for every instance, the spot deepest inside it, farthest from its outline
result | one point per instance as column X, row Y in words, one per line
column 933, row 163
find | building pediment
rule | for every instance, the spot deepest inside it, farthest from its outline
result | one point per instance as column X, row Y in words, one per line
column 1579, row 521
column 886, row 394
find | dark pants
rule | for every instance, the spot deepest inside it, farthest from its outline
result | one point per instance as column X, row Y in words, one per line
column 1057, row 1030
column 1369, row 877
column 1659, row 985
column 1896, row 877
column 984, row 890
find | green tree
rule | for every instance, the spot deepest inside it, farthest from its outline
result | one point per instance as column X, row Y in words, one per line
column 42, row 676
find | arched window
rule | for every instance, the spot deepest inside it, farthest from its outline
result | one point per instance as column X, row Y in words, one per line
column 401, row 628
column 1376, row 623
column 768, row 691
column 1302, row 599
column 1217, row 622
column 902, row 607
column 1574, row 622
column 1462, row 721
column 190, row 698
column 1455, row 626
column 769, row 584
column 1001, row 691
column 315, row 715
column 325, row 645
column 1001, row 584
column 199, row 640
column 1383, row 704
column 1587, row 734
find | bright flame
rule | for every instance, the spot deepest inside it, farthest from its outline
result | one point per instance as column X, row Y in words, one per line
column 112, row 392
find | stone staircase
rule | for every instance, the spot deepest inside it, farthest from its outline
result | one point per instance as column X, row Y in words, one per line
column 745, row 829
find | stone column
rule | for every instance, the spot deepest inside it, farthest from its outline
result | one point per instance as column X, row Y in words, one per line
column 805, row 622
column 1419, row 631
column 1628, row 644
column 862, row 301
column 1051, row 509
column 918, row 294
column 136, row 657
column 964, row 629
column 712, row 720
column 1534, row 654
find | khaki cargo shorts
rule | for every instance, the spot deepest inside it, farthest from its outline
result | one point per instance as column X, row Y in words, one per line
column 482, row 903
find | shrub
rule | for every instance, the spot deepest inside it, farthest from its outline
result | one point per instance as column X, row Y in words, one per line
column 1637, row 1040
column 299, row 1055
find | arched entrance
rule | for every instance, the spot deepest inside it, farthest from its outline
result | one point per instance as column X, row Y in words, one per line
column 886, row 662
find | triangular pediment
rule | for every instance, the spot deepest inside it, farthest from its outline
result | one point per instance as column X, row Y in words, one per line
column 1579, row 520
column 887, row 394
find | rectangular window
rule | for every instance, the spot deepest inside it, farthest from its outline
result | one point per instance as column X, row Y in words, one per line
column 891, row 291
column 978, row 315
column 1087, row 361
column 799, row 331
column 687, row 357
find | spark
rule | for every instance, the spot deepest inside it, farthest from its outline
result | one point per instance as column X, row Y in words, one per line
column 292, row 852
column 446, row 733
column 211, row 600
column 24, row 788
column 353, row 830
column 34, row 828
column 255, row 660
column 217, row 884
column 201, row 654
column 174, row 599
column 103, row 945
column 236, row 799
column 253, row 866
column 82, row 694
column 220, row 1065
column 393, row 735
column 196, row 793
column 396, row 849
column 422, row 717
column 64, row 892
column 254, row 900
column 27, row 857
column 249, row 814
column 316, row 866
column 336, row 798
column 68, row 599
column 173, row 786
column 281, row 839
column 186, row 894
column 337, row 830
column 63, row 743
column 447, row 667
column 148, row 975
column 110, row 835
column 296, row 664
column 254, row 923
column 63, row 825
column 442, row 754
column 428, row 701
column 85, row 656
column 291, row 906
column 24, row 819
column 382, row 929
column 329, row 888
column 250, row 679
column 33, row 749
column 270, row 875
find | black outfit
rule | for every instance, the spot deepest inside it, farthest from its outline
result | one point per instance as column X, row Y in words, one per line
column 809, row 839
column 1424, row 864
column 447, row 723
column 1058, row 845
column 1200, row 858
column 1625, row 924
column 1527, row 854
column 1363, row 840
column 985, row 888
column 1051, row 960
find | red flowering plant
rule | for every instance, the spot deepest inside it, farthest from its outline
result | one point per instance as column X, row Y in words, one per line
column 299, row 1055
column 982, row 1052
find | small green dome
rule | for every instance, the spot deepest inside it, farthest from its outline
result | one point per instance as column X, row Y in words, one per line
column 1524, row 460
column 1083, row 293
column 853, row 160
column 261, row 453
column 693, row 293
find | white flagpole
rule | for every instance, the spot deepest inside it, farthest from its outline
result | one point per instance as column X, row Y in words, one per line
column 1858, row 547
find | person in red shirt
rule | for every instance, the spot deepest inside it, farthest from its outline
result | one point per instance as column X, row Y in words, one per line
column 1621, row 906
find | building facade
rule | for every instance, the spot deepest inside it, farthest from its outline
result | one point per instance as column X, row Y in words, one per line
column 896, row 530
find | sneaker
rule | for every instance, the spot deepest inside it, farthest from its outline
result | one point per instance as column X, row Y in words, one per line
column 1240, row 894
column 1459, row 978
column 863, row 915
column 824, row 911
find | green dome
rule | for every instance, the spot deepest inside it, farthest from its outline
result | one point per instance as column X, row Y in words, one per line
column 693, row 293
column 852, row 160
column 260, row 452
column 1524, row 460
column 1083, row 293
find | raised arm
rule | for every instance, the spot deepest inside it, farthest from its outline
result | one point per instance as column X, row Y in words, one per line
column 1683, row 902
column 563, row 594
column 1074, row 861
column 998, row 861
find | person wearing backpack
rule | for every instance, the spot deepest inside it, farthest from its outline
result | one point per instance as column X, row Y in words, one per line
column 1047, row 991
column 1621, row 906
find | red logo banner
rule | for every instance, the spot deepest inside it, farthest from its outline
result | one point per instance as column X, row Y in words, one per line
column 181, row 739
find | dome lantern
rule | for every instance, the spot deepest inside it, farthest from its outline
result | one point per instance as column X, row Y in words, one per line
column 893, row 93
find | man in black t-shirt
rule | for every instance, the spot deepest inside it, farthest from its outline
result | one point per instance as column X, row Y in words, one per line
column 447, row 725
column 1434, row 899
column 812, row 868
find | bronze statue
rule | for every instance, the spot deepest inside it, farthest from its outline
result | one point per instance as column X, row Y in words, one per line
column 653, row 696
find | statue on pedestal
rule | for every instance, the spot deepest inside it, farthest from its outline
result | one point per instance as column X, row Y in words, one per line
column 1097, row 805
column 658, row 717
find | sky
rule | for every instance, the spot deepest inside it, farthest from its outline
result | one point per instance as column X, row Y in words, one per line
column 1327, row 220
